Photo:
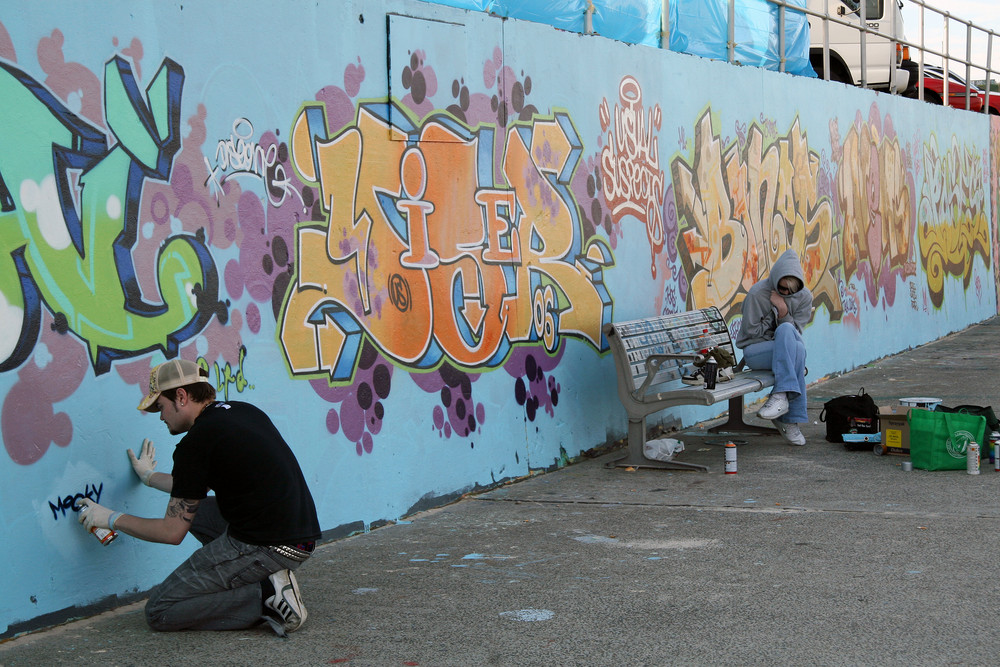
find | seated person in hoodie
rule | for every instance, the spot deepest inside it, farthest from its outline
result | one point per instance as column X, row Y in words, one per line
column 774, row 311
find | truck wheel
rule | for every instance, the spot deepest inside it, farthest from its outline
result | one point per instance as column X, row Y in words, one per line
column 837, row 72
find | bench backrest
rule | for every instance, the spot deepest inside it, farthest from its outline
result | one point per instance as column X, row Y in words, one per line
column 680, row 333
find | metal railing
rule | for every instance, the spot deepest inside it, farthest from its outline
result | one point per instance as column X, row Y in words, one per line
column 896, row 43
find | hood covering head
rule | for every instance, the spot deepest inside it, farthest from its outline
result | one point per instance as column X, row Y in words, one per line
column 787, row 264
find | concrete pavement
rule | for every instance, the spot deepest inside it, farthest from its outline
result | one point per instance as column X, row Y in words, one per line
column 808, row 556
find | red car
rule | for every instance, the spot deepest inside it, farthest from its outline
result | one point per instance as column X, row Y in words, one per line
column 957, row 92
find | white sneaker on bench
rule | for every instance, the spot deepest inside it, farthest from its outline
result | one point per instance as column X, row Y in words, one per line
column 697, row 377
column 790, row 432
column 694, row 378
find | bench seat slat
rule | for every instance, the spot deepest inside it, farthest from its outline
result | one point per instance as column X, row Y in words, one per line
column 745, row 382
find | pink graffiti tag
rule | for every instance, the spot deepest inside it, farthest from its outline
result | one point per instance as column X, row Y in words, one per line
column 632, row 179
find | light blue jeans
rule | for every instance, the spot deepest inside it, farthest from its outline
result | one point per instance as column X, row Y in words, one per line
column 218, row 587
column 786, row 356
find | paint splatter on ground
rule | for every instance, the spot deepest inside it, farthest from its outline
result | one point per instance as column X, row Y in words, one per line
column 596, row 539
column 528, row 615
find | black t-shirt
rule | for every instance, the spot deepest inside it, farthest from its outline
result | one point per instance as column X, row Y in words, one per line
column 234, row 450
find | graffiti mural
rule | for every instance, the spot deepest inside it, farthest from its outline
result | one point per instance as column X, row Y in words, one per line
column 404, row 247
column 68, row 213
column 741, row 206
column 952, row 223
column 875, row 201
column 428, row 258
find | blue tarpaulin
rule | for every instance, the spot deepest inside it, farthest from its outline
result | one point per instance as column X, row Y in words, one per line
column 633, row 21
column 699, row 27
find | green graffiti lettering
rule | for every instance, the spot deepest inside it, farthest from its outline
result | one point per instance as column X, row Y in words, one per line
column 69, row 219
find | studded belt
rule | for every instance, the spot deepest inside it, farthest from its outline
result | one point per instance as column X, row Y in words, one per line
column 299, row 552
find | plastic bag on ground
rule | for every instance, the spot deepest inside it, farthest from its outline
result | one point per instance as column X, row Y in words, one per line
column 662, row 449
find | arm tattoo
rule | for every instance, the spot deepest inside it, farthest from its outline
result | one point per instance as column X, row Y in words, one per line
column 183, row 508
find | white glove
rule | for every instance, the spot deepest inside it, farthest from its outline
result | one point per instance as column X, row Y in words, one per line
column 93, row 515
column 145, row 464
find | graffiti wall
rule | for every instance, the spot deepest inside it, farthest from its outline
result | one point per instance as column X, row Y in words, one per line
column 399, row 229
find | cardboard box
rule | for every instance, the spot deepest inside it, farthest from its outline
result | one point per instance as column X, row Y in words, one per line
column 895, row 428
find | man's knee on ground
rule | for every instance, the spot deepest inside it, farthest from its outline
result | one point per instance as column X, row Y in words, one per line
column 155, row 612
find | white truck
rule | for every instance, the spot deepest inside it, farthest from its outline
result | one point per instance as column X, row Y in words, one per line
column 887, row 66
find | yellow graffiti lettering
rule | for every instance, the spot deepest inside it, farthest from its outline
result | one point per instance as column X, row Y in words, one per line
column 739, row 210
column 952, row 225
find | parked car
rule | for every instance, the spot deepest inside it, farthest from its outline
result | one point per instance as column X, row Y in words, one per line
column 958, row 91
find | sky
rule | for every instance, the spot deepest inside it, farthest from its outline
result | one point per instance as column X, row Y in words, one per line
column 984, row 14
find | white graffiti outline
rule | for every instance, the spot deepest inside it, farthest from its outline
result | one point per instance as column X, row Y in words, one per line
column 240, row 156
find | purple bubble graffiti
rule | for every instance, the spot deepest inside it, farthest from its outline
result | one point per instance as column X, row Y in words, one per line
column 458, row 413
column 361, row 410
column 29, row 422
column 533, row 390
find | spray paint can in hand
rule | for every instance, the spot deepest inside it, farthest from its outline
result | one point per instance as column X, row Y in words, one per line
column 730, row 458
column 105, row 536
column 972, row 458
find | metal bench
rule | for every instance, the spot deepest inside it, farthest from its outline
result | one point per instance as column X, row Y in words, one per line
column 652, row 355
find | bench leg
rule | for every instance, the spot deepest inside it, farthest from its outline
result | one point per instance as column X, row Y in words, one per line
column 634, row 458
column 735, row 423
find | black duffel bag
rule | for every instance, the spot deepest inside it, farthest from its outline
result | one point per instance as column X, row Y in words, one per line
column 854, row 413
column 992, row 423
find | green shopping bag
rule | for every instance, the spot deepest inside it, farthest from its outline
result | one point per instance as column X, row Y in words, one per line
column 938, row 440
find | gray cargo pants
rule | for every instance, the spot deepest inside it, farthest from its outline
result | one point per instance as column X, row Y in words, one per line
column 218, row 587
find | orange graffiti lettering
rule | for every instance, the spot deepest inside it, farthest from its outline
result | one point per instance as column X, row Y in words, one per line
column 420, row 257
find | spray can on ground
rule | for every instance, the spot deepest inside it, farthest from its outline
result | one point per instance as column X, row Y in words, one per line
column 730, row 458
column 995, row 450
column 972, row 458
column 105, row 536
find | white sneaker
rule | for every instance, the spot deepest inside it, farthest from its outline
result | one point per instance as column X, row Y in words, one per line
column 776, row 405
column 287, row 600
column 695, row 378
column 790, row 432
column 698, row 377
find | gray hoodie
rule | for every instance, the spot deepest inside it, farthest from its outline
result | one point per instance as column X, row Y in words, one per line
column 760, row 317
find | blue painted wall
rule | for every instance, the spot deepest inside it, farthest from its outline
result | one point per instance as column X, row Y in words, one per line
column 405, row 255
